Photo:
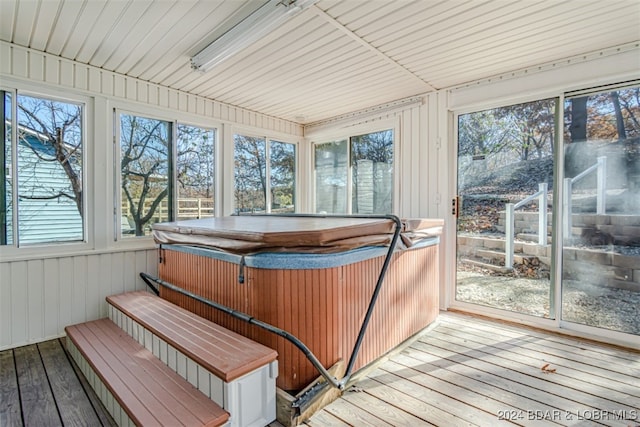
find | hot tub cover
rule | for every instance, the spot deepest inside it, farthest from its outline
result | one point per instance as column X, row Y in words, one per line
column 252, row 234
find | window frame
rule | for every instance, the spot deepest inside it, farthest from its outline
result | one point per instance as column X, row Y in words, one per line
column 216, row 162
column 347, row 133
column 175, row 118
column 268, row 140
column 117, row 172
column 52, row 248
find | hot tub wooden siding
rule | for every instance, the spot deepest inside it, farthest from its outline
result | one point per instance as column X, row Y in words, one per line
column 324, row 308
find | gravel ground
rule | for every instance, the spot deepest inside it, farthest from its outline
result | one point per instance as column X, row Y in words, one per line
column 608, row 308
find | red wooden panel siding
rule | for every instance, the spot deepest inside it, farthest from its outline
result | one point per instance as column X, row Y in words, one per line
column 324, row 308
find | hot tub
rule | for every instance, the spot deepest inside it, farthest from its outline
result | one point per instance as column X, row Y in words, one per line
column 312, row 277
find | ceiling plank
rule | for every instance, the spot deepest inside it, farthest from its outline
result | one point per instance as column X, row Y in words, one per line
column 64, row 25
column 87, row 21
column 47, row 16
column 7, row 19
column 346, row 31
column 25, row 21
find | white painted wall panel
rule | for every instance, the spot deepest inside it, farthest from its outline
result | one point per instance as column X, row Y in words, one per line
column 550, row 79
column 35, row 296
column 16, row 62
column 42, row 293
column 6, row 302
column 39, row 297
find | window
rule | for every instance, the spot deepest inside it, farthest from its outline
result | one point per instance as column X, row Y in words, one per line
column 42, row 186
column 359, row 170
column 145, row 178
column 283, row 176
column 331, row 170
column 601, row 210
column 195, row 172
column 372, row 172
column 261, row 186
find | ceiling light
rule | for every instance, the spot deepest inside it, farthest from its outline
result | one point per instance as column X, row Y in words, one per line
column 259, row 23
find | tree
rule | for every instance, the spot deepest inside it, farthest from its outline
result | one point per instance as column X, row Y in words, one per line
column 283, row 167
column 578, row 119
column 372, row 168
column 481, row 133
column 250, row 173
column 531, row 127
column 52, row 131
column 144, row 166
column 195, row 161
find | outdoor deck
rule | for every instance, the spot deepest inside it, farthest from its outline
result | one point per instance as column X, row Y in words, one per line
column 463, row 371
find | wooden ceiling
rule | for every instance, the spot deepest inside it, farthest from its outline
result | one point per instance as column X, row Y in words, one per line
column 337, row 56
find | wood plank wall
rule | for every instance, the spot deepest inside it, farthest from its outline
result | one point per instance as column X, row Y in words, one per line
column 324, row 308
column 43, row 290
column 38, row 67
column 39, row 297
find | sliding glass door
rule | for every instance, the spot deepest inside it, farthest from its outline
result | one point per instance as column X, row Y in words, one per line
column 509, row 196
column 505, row 190
column 601, row 210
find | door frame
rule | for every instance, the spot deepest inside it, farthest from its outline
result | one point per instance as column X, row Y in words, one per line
column 555, row 323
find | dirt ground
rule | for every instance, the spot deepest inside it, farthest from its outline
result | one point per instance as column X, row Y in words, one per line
column 608, row 308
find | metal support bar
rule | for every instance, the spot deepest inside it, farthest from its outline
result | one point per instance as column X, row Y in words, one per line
column 251, row 320
column 509, row 237
column 567, row 208
column 601, row 185
column 542, row 214
column 286, row 335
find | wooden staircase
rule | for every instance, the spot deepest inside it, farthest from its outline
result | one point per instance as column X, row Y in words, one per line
column 593, row 253
column 154, row 363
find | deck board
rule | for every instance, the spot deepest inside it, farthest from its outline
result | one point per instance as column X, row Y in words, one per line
column 10, row 413
column 567, row 373
column 464, row 371
column 476, row 369
column 73, row 403
column 36, row 397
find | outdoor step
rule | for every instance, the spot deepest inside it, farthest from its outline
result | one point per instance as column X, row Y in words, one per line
column 498, row 243
column 624, row 284
column 594, row 219
column 524, row 229
column 531, row 217
column 486, row 266
column 530, row 237
column 500, row 256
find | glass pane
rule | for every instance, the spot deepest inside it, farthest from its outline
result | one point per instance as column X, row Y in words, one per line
column 283, row 176
column 195, row 172
column 372, row 173
column 250, row 174
column 505, row 187
column 6, row 200
column 601, row 254
column 144, row 173
column 331, row 168
column 50, row 167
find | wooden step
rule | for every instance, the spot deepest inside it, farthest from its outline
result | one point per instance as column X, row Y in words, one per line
column 234, row 371
column 136, row 386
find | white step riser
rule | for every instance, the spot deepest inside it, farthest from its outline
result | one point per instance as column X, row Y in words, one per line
column 118, row 414
column 239, row 397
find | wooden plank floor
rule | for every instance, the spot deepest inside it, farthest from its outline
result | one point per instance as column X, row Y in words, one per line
column 41, row 386
column 471, row 371
column 463, row 371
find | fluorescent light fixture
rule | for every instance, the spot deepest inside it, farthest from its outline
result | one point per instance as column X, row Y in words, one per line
column 255, row 26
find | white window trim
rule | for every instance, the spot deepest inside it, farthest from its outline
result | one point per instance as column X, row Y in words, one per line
column 270, row 137
column 346, row 133
column 17, row 251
